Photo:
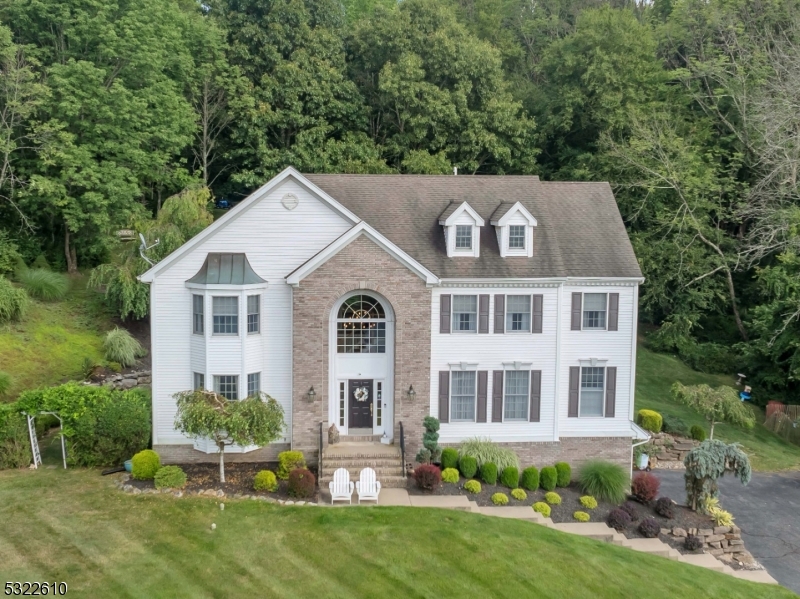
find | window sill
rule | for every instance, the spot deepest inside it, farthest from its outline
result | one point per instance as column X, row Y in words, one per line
column 225, row 334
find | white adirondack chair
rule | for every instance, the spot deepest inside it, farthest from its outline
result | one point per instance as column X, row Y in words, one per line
column 341, row 487
column 368, row 486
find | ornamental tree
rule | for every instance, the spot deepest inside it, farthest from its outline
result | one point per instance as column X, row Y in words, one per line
column 716, row 405
column 430, row 451
column 708, row 462
column 257, row 420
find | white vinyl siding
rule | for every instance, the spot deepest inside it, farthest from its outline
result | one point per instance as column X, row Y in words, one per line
column 462, row 396
column 517, row 392
column 227, row 385
column 226, row 315
column 518, row 313
column 592, row 391
column 198, row 327
column 594, row 310
column 465, row 313
column 253, row 314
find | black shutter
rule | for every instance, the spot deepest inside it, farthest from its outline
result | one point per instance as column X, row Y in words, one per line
column 536, row 314
column 483, row 314
column 444, row 396
column 499, row 313
column 483, row 384
column 497, row 396
column 536, row 395
column 611, row 391
column 576, row 312
column 574, row 390
column 444, row 313
column 613, row 311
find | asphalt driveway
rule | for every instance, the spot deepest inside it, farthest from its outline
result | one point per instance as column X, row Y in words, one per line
column 768, row 512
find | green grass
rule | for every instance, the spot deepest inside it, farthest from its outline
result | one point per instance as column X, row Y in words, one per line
column 50, row 344
column 655, row 374
column 74, row 526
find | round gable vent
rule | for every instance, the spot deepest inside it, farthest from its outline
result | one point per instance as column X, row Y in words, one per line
column 290, row 201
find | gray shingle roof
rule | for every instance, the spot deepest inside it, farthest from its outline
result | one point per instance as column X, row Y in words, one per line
column 226, row 269
column 580, row 232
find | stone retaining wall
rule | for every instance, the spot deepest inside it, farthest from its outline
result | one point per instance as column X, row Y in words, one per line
column 667, row 451
column 128, row 380
column 723, row 542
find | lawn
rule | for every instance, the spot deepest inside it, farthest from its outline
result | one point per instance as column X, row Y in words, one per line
column 655, row 374
column 74, row 526
column 51, row 343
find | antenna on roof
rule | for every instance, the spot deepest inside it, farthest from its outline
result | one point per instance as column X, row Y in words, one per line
column 143, row 247
column 455, row 170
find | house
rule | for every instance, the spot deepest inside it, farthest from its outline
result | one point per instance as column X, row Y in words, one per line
column 505, row 306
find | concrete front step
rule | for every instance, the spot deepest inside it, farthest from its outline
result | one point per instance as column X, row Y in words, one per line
column 355, row 473
column 339, row 462
column 387, row 482
column 653, row 547
column 598, row 531
column 516, row 512
column 452, row 502
column 703, row 560
column 358, row 439
column 754, row 576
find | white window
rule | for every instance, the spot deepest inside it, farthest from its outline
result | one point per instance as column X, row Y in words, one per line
column 465, row 313
column 379, row 404
column 197, row 314
column 594, row 310
column 517, row 391
column 199, row 381
column 516, row 237
column 518, row 313
column 253, row 383
column 462, row 396
column 361, row 326
column 341, row 404
column 463, row 237
column 253, row 314
column 227, row 385
column 592, row 390
column 226, row 315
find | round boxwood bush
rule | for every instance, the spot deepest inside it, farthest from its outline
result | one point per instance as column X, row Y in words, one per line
column 500, row 499
column 693, row 543
column 645, row 487
column 265, row 480
column 542, row 508
column 649, row 528
column 664, row 507
column 468, row 466
column 428, row 476
column 564, row 474
column 530, row 478
column 519, row 494
column 510, row 477
column 302, row 483
column 450, row 475
column 489, row 473
column 618, row 519
column 145, row 464
column 548, row 478
column 552, row 498
column 581, row 516
column 472, row 486
column 588, row 502
column 650, row 420
column 288, row 461
column 170, row 477
column 449, row 458
column 698, row 433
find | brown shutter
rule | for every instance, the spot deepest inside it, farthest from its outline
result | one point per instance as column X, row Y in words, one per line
column 536, row 314
column 611, row 391
column 574, row 390
column 499, row 313
column 536, row 394
column 444, row 313
column 497, row 396
column 483, row 314
column 613, row 311
column 483, row 387
column 576, row 312
column 444, row 396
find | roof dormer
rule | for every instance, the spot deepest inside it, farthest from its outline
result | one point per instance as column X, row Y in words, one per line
column 462, row 230
column 514, row 226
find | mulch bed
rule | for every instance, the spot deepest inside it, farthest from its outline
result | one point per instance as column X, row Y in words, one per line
column 238, row 479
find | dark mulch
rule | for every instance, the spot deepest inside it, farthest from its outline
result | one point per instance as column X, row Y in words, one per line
column 238, row 479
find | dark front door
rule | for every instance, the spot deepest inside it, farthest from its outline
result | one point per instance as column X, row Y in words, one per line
column 361, row 396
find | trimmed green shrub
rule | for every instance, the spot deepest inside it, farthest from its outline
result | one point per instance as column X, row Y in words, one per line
column 428, row 476
column 552, row 498
column 581, row 516
column 449, row 458
column 564, row 474
column 542, row 508
column 649, row 528
column 170, row 477
column 548, row 478
column 510, row 478
column 15, row 444
column 489, row 473
column 302, row 483
column 44, row 284
column 13, row 301
column 674, row 425
column 530, row 478
column 468, row 466
column 430, row 452
column 288, row 461
column 698, row 433
column 265, row 480
column 618, row 519
column 500, row 499
column 5, row 383
column 645, row 487
column 650, row 420
column 450, row 475
column 484, row 450
column 604, row 480
column 588, row 502
column 145, row 464
column 472, row 486
column 519, row 494
column 120, row 346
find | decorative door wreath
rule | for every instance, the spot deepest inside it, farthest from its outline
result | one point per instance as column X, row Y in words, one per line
column 361, row 394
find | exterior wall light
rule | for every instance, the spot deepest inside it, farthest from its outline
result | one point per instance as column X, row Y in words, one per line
column 312, row 395
column 411, row 394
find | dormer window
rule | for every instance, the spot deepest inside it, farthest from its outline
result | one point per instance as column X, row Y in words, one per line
column 463, row 237
column 462, row 230
column 516, row 237
column 514, row 225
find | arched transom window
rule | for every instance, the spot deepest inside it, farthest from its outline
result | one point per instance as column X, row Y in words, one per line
column 361, row 326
